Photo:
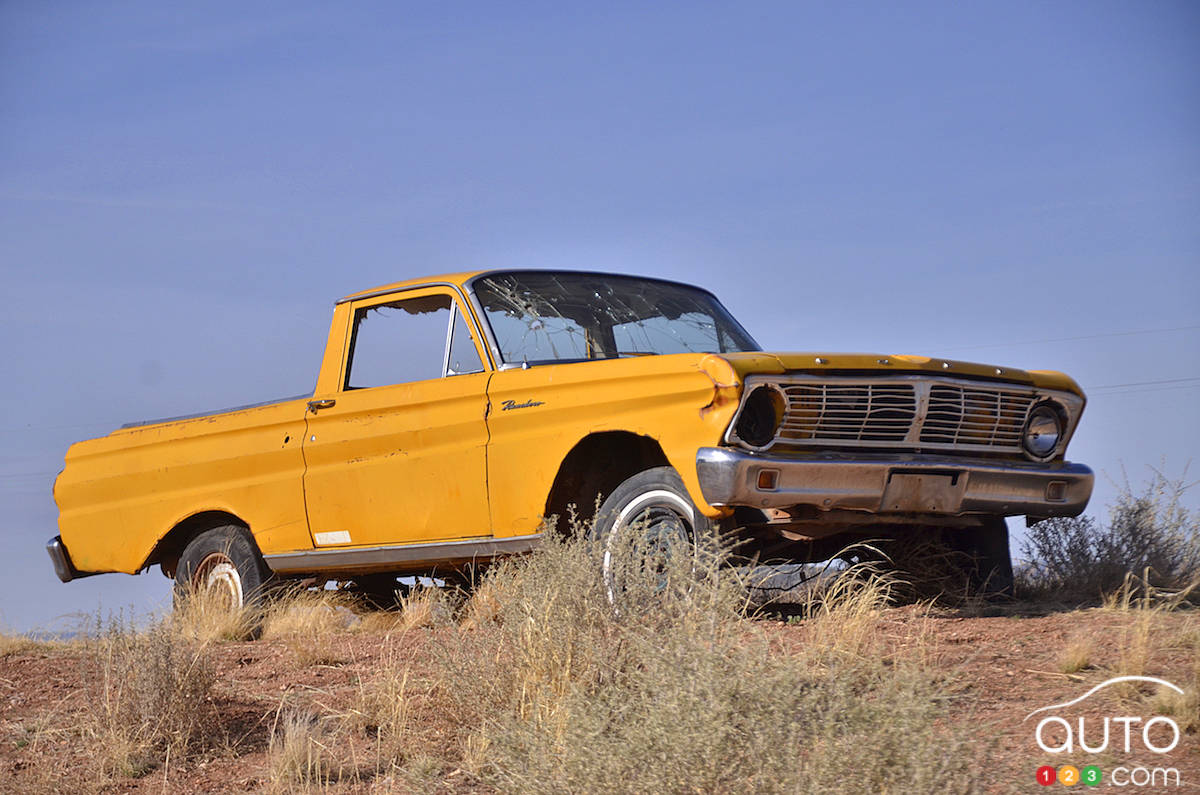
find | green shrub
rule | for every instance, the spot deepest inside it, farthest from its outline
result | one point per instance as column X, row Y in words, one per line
column 1149, row 536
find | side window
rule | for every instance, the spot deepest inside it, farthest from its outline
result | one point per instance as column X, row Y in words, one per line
column 464, row 358
column 398, row 342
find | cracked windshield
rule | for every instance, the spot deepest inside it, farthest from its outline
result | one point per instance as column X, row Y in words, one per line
column 566, row 317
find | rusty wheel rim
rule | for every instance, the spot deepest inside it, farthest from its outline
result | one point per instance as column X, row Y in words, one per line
column 218, row 576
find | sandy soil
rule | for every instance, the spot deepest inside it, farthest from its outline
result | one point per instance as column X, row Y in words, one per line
column 996, row 669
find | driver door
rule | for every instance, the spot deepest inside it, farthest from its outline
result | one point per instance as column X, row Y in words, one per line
column 398, row 454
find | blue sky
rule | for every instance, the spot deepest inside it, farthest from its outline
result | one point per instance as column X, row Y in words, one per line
column 185, row 190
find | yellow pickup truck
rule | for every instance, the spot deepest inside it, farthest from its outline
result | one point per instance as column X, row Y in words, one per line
column 455, row 417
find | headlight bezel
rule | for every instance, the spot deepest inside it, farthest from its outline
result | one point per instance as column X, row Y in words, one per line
column 754, row 408
column 1045, row 410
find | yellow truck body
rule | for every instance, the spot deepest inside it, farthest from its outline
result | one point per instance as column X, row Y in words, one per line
column 468, row 464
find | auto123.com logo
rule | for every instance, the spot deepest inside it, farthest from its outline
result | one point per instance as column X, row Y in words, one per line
column 1057, row 732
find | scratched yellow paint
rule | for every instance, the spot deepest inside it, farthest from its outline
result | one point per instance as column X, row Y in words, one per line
column 119, row 494
column 401, row 463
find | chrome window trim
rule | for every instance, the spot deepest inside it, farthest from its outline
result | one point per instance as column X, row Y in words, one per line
column 449, row 337
column 457, row 294
column 390, row 290
column 492, row 346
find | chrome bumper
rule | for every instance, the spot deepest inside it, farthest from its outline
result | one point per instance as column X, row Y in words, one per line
column 922, row 485
column 63, row 566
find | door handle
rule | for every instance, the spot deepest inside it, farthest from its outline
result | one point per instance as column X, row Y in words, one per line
column 315, row 405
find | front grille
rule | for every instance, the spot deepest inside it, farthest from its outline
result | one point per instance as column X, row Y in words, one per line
column 904, row 413
column 975, row 416
column 848, row 412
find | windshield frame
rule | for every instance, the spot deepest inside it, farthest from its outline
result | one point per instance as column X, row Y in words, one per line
column 485, row 325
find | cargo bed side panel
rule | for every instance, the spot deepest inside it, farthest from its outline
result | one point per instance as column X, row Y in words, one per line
column 120, row 494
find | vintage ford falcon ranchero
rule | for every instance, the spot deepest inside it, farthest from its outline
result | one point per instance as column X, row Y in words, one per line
column 454, row 416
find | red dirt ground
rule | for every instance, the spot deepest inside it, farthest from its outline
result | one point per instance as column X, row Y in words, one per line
column 996, row 670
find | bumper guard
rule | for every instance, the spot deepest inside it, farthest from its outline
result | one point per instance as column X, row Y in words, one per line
column 61, row 559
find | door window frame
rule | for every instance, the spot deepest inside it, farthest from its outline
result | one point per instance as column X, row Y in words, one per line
column 457, row 302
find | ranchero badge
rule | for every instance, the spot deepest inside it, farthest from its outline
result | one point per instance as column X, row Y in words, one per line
column 512, row 404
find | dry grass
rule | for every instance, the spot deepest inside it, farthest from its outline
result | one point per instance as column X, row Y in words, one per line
column 1136, row 644
column 1139, row 604
column 204, row 616
column 556, row 689
column 310, row 624
column 314, row 748
column 424, row 608
column 555, row 679
column 150, row 700
column 1185, row 708
column 381, row 703
column 318, row 748
column 299, row 752
column 23, row 644
column 485, row 604
column 379, row 622
column 381, row 709
column 844, row 615
column 1150, row 542
column 1076, row 655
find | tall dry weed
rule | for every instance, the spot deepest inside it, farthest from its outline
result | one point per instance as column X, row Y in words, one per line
column 311, row 624
column 1185, row 707
column 299, row 752
column 381, row 703
column 204, row 615
column 150, row 700
column 1076, row 655
column 1138, row 638
column 843, row 615
column 1145, row 636
column 661, row 685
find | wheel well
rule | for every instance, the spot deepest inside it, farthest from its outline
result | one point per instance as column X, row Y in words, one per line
column 168, row 549
column 596, row 465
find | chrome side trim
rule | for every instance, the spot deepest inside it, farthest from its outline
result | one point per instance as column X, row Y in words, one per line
column 401, row 555
column 201, row 414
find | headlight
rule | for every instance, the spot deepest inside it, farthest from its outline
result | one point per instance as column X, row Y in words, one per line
column 1043, row 429
column 761, row 414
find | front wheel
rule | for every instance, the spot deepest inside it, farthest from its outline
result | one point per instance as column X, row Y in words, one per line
column 644, row 525
column 992, row 573
column 942, row 563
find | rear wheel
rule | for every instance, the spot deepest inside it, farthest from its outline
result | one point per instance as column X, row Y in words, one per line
column 378, row 591
column 223, row 563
